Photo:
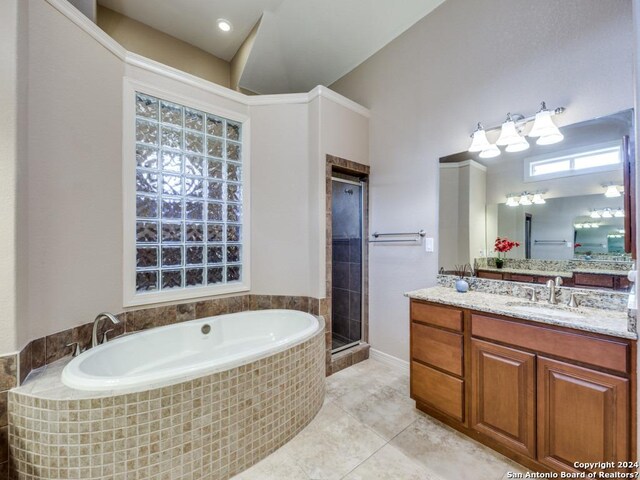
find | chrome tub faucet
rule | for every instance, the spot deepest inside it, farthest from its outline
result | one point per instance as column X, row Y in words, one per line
column 96, row 322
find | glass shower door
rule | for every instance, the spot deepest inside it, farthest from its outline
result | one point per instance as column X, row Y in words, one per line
column 346, row 273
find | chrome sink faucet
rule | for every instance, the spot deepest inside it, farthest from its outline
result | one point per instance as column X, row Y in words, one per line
column 551, row 285
column 96, row 322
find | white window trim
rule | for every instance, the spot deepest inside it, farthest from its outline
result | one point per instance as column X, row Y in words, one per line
column 570, row 154
column 130, row 297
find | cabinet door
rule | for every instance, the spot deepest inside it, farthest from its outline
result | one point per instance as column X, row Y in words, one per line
column 503, row 398
column 583, row 415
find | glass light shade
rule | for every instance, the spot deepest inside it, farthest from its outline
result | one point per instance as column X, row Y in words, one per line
column 519, row 145
column 525, row 200
column 512, row 202
column 479, row 142
column 538, row 200
column 490, row 152
column 595, row 214
column 578, row 226
column 619, row 213
column 607, row 213
column 586, row 225
column 612, row 191
column 508, row 134
column 543, row 124
column 595, row 225
column 550, row 139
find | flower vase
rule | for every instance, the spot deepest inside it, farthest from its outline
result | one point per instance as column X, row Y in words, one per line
column 499, row 263
column 462, row 285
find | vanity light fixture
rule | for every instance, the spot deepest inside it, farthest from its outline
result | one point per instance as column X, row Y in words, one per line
column 578, row 226
column 595, row 225
column 595, row 214
column 619, row 213
column 511, row 137
column 586, row 225
column 612, row 191
column 479, row 140
column 544, row 128
column 606, row 213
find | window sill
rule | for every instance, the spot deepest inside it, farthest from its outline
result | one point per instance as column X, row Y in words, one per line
column 183, row 294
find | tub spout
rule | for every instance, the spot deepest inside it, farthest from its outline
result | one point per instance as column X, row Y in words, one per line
column 96, row 322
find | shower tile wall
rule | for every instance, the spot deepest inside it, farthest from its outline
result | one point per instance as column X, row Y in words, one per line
column 347, row 290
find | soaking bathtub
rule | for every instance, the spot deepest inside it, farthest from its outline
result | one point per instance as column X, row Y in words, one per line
column 206, row 398
column 172, row 353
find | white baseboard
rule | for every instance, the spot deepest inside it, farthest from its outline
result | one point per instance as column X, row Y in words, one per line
column 387, row 359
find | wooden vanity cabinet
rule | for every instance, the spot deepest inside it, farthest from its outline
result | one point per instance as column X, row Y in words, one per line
column 583, row 416
column 503, row 386
column 545, row 396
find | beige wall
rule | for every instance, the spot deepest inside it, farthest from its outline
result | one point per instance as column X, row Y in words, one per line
column 13, row 104
column 75, row 210
column 75, row 184
column 239, row 60
column 463, row 63
column 151, row 43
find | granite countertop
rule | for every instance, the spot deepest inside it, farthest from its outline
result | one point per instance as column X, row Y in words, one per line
column 607, row 322
column 541, row 273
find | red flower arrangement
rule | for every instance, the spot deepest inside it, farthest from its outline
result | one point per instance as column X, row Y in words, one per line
column 577, row 245
column 503, row 245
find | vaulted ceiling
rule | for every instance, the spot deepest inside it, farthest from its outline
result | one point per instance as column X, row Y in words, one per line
column 299, row 44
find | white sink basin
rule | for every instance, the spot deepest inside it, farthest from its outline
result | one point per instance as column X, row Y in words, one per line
column 547, row 311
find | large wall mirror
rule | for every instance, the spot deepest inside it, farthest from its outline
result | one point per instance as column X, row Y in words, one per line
column 568, row 206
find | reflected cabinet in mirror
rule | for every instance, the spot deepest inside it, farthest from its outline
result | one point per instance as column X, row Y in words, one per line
column 564, row 210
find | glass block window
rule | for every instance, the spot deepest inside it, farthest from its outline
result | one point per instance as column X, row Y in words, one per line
column 188, row 197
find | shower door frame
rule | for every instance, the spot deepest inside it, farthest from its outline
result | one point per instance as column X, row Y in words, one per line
column 363, row 185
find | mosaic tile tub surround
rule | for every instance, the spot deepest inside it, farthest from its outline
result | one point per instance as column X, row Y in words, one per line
column 14, row 368
column 212, row 427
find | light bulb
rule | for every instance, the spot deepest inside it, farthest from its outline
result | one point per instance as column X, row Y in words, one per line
column 224, row 25
column 612, row 191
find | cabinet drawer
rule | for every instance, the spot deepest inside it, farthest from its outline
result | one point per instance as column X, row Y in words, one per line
column 590, row 350
column 522, row 278
column 437, row 347
column 490, row 275
column 438, row 390
column 590, row 280
column 439, row 316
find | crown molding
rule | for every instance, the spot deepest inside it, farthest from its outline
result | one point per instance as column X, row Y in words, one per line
column 465, row 163
column 135, row 60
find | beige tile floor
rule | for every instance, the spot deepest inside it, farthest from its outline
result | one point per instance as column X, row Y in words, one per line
column 369, row 429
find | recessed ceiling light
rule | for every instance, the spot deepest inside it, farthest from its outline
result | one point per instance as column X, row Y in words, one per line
column 224, row 25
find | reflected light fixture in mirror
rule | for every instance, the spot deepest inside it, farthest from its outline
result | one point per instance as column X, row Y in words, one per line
column 606, row 213
column 619, row 213
column 525, row 200
column 612, row 191
column 538, row 199
column 595, row 214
